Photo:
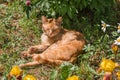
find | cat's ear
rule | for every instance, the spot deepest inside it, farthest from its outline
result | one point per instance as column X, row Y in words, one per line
column 44, row 19
column 59, row 20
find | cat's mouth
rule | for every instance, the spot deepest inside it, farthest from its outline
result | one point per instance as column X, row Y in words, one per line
column 52, row 35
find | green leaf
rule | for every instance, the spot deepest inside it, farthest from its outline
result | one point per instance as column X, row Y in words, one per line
column 114, row 33
column 28, row 9
column 66, row 70
column 64, row 10
column 53, row 75
column 70, row 12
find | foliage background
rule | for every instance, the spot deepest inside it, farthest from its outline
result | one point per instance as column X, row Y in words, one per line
column 20, row 28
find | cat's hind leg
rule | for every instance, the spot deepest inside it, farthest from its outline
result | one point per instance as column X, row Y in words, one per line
column 24, row 54
column 54, row 62
column 37, row 59
column 34, row 63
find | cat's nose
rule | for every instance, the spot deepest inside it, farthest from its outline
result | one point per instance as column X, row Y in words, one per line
column 50, row 32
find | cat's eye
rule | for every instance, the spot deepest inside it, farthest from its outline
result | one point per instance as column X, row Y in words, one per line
column 45, row 29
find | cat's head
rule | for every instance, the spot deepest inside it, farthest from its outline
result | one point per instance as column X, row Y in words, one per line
column 51, row 27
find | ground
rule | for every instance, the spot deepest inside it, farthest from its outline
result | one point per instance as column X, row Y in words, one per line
column 18, row 33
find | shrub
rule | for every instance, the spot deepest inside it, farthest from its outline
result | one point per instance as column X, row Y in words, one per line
column 74, row 12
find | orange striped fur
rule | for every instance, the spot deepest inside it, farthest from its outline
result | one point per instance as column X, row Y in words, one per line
column 57, row 44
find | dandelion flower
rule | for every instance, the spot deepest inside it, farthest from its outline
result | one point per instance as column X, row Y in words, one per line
column 104, row 25
column 15, row 71
column 115, row 48
column 107, row 65
column 29, row 77
column 118, row 75
column 74, row 77
column 117, row 41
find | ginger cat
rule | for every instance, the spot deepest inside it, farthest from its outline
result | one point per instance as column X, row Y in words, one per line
column 57, row 44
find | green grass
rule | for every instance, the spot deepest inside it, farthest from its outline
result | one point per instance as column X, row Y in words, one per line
column 17, row 33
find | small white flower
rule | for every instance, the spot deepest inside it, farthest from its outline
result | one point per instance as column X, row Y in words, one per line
column 103, row 29
column 104, row 25
column 118, row 28
column 118, row 31
column 117, row 41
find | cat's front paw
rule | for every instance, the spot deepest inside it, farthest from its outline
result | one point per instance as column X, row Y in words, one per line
column 32, row 49
column 25, row 54
column 22, row 65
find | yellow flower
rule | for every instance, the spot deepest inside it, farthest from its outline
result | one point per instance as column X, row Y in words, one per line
column 107, row 65
column 118, row 75
column 115, row 48
column 74, row 77
column 15, row 71
column 29, row 77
